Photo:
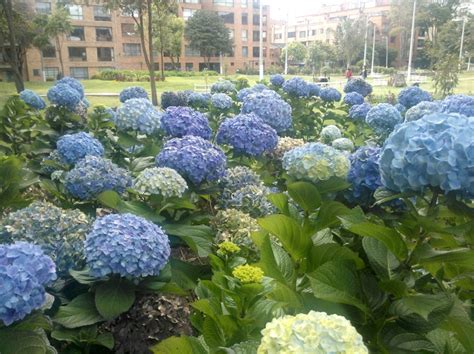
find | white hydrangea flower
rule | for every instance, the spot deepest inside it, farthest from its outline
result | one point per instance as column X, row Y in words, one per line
column 329, row 134
column 160, row 180
column 315, row 332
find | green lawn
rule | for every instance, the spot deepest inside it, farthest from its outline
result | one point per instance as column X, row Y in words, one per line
column 466, row 85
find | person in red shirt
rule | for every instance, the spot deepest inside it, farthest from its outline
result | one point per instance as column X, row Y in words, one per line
column 349, row 73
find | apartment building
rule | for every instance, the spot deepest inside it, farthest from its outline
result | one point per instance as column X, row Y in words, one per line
column 103, row 39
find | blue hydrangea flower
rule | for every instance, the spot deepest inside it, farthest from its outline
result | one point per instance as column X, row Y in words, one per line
column 242, row 94
column 93, row 175
column 237, row 177
column 277, row 80
column 315, row 162
column 343, row 144
column 127, row 245
column 401, row 108
column 251, row 199
column 382, row 118
column 176, row 99
column 199, row 100
column 330, row 133
column 353, row 99
column 59, row 232
column 330, row 94
column 132, row 92
column 461, row 104
column 296, row 86
column 412, row 95
column 272, row 110
column 436, row 150
column 221, row 101
column 32, row 99
column 422, row 109
column 247, row 134
column 73, row 83
column 194, row 158
column 138, row 114
column 63, row 95
column 358, row 85
column 359, row 111
column 223, row 86
column 73, row 147
column 313, row 89
column 24, row 272
column 364, row 174
column 181, row 121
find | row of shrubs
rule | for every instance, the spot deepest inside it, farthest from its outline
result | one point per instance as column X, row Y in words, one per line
column 143, row 75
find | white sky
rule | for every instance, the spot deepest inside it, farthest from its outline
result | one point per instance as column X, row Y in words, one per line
column 298, row 7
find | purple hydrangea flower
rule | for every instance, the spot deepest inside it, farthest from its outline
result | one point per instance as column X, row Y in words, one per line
column 73, row 83
column 63, row 95
column 73, row 147
column 359, row 111
column 358, row 85
column 133, row 92
column 364, row 174
column 383, row 118
column 242, row 94
column 330, row 94
column 412, row 95
column 296, row 86
column 461, row 104
column 181, row 121
column 353, row 99
column 221, row 101
column 277, row 80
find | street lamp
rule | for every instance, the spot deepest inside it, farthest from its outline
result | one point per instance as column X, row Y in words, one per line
column 386, row 51
column 412, row 39
column 373, row 53
column 260, row 51
column 462, row 42
column 365, row 40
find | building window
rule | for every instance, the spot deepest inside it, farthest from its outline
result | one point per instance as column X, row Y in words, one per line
column 187, row 13
column 103, row 34
column 77, row 54
column 190, row 52
column 51, row 73
column 129, row 13
column 132, row 49
column 256, row 36
column 36, row 72
column 229, row 3
column 227, row 17
column 79, row 73
column 255, row 51
column 264, row 35
column 256, row 4
column 231, row 34
column 291, row 34
column 75, row 12
column 101, row 13
column 128, row 30
column 77, row 34
column 49, row 52
column 43, row 7
column 189, row 66
column 256, row 20
column 245, row 19
column 245, row 35
column 245, row 52
column 313, row 32
column 244, row 3
column 105, row 54
column 321, row 30
column 278, row 36
column 264, row 20
column 302, row 34
column 192, row 1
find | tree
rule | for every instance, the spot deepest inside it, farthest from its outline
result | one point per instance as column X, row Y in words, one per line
column 163, row 36
column 176, row 40
column 58, row 24
column 318, row 54
column 349, row 39
column 400, row 25
column 297, row 52
column 206, row 32
column 15, row 37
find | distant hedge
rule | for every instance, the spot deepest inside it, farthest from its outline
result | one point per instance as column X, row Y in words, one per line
column 143, row 75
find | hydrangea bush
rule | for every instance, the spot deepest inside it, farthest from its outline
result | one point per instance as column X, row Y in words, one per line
column 383, row 118
column 353, row 99
column 329, row 134
column 412, row 95
column 359, row 112
column 72, row 83
column 137, row 114
column 169, row 99
column 251, row 199
column 223, row 86
column 199, row 100
column 73, row 147
column 221, row 101
column 421, row 109
column 242, row 94
column 63, row 95
column 132, row 92
column 359, row 86
column 181, row 121
column 127, row 245
column 296, row 86
column 277, row 80
column 343, row 144
column 162, row 181
column 330, row 94
column 462, row 104
column 235, row 226
column 32, row 99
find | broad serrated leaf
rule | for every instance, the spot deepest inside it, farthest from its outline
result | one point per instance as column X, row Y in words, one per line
column 114, row 297
column 306, row 195
column 179, row 345
column 80, row 312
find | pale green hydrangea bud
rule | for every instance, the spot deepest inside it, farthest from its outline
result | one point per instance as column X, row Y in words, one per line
column 162, row 181
column 329, row 134
column 286, row 144
column 235, row 226
column 248, row 274
column 315, row 332
column 343, row 144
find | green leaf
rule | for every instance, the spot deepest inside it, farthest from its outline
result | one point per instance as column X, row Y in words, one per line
column 306, row 195
column 32, row 322
column 389, row 237
column 382, row 260
column 337, row 281
column 280, row 201
column 82, row 276
column 330, row 251
column 283, row 293
column 400, row 341
column 114, row 297
column 460, row 323
column 212, row 333
column 461, row 257
column 198, row 237
column 105, row 340
column 424, row 305
column 110, row 199
column 179, row 345
column 80, row 312
column 276, row 263
column 329, row 213
column 332, row 185
column 289, row 232
column 13, row 341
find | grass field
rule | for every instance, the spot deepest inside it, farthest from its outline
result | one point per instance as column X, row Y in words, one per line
column 466, row 85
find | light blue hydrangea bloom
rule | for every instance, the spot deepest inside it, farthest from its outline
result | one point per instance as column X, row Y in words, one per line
column 242, row 94
column 383, row 118
column 358, row 85
column 401, row 108
column 412, row 95
column 63, row 95
column 330, row 133
column 315, row 162
column 162, row 181
column 73, row 83
column 277, row 80
column 195, row 158
column 343, row 144
column 251, row 199
column 353, row 98
column 24, row 272
column 330, row 94
column 359, row 111
column 181, row 121
column 221, row 101
column 313, row 89
column 93, row 175
column 127, row 245
column 73, row 147
column 296, row 86
column 421, row 109
column 199, row 100
column 176, row 99
column 272, row 110
column 138, row 114
column 247, row 134
column 462, row 104
column 223, row 86
column 132, row 92
column 436, row 150
column 32, row 99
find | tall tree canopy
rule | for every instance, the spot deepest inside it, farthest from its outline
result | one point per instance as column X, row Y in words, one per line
column 205, row 31
column 349, row 39
column 296, row 52
column 318, row 54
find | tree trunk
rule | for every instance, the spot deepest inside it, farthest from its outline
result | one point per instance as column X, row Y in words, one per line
column 60, row 53
column 162, row 61
column 151, row 61
column 13, row 57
